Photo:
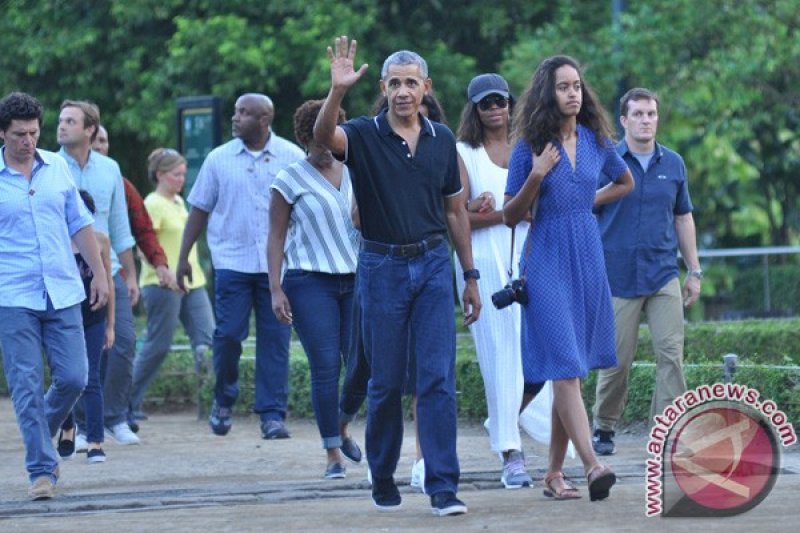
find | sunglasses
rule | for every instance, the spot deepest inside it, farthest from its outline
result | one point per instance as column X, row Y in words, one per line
column 493, row 99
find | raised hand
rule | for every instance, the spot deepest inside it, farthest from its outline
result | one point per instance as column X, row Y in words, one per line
column 342, row 57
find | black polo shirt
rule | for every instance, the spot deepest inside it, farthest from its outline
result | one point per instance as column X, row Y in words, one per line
column 401, row 197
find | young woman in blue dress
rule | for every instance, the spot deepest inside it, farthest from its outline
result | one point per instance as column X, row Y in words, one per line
column 562, row 145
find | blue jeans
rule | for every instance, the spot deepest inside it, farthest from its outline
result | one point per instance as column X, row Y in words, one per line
column 407, row 307
column 165, row 308
column 236, row 293
column 91, row 400
column 322, row 310
column 23, row 333
column 117, row 364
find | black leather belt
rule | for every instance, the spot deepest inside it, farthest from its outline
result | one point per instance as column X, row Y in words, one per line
column 402, row 250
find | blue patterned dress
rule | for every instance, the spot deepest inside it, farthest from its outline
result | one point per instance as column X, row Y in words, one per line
column 568, row 324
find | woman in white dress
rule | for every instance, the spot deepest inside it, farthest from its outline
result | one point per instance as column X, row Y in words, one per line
column 484, row 151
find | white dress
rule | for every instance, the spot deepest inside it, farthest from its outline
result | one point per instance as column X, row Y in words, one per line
column 497, row 332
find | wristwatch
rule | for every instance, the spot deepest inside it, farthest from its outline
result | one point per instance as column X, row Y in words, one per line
column 472, row 273
column 695, row 273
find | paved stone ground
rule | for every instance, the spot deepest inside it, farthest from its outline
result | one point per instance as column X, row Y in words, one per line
column 183, row 478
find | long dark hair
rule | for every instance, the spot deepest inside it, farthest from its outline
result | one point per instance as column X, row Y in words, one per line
column 435, row 111
column 470, row 129
column 537, row 119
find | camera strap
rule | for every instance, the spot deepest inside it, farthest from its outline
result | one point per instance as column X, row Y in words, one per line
column 534, row 208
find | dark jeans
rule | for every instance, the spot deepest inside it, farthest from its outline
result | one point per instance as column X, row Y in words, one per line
column 322, row 310
column 356, row 380
column 92, row 397
column 116, row 367
column 236, row 293
column 407, row 306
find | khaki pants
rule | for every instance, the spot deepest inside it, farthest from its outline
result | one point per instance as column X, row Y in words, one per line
column 664, row 313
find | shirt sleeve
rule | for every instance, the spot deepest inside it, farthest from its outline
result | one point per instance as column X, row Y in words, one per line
column 349, row 131
column 76, row 215
column 519, row 167
column 119, row 228
column 614, row 166
column 142, row 227
column 284, row 185
column 205, row 192
column 683, row 202
column 452, row 184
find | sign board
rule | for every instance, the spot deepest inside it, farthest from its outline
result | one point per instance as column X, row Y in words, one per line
column 199, row 132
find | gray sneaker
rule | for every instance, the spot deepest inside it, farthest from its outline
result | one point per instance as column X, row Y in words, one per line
column 515, row 476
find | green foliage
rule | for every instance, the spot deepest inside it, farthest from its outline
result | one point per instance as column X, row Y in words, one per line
column 756, row 341
column 784, row 286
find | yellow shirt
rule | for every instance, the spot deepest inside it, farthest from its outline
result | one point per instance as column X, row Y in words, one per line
column 169, row 220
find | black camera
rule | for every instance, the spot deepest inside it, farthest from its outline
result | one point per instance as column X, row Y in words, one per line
column 513, row 292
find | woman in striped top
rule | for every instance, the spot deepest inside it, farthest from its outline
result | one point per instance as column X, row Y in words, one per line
column 313, row 243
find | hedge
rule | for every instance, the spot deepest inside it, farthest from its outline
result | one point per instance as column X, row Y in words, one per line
column 760, row 343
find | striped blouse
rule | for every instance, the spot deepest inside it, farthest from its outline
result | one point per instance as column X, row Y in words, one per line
column 321, row 236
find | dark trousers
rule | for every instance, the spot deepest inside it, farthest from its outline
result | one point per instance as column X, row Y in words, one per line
column 236, row 294
column 407, row 306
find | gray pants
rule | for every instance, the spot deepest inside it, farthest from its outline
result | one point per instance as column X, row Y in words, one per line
column 164, row 309
column 117, row 363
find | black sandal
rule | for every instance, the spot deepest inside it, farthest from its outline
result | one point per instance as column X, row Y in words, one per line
column 600, row 479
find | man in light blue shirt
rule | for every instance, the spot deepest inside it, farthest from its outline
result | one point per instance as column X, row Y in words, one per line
column 40, row 287
column 232, row 195
column 78, row 123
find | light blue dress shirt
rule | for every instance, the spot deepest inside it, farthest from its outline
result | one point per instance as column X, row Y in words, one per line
column 233, row 186
column 37, row 220
column 102, row 178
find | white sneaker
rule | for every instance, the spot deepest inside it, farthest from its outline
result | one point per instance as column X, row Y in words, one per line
column 418, row 475
column 81, row 445
column 122, row 434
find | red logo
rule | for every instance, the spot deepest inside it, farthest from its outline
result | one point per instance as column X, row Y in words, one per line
column 725, row 461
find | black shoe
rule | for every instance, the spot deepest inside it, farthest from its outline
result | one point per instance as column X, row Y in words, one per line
column 274, row 429
column 96, row 455
column 220, row 419
column 602, row 442
column 66, row 448
column 385, row 495
column 351, row 450
column 446, row 503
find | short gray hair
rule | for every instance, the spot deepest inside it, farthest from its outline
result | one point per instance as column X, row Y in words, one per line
column 405, row 57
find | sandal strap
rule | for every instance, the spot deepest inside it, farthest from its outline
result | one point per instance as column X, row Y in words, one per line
column 598, row 466
column 566, row 486
column 552, row 476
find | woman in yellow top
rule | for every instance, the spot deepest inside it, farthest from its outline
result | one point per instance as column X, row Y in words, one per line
column 165, row 306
